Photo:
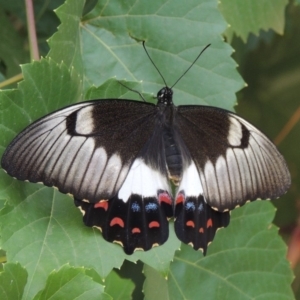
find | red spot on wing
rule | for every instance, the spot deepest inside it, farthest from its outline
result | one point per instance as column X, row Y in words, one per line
column 180, row 198
column 201, row 230
column 165, row 197
column 209, row 223
column 154, row 224
column 190, row 224
column 117, row 221
column 102, row 204
column 136, row 230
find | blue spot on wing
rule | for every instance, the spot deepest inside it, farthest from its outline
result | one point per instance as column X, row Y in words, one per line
column 151, row 207
column 135, row 207
column 190, row 205
column 201, row 207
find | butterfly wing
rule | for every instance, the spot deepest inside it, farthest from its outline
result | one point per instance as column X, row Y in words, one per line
column 235, row 162
column 100, row 152
column 196, row 222
column 85, row 149
column 230, row 162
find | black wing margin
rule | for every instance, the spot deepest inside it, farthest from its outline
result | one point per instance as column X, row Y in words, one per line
column 236, row 162
column 85, row 149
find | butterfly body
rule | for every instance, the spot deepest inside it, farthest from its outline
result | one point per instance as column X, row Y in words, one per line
column 117, row 157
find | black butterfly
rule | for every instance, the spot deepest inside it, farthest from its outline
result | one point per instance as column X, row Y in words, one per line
column 117, row 157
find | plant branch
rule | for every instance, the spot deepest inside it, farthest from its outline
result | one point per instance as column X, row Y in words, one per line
column 34, row 50
column 288, row 127
column 11, row 80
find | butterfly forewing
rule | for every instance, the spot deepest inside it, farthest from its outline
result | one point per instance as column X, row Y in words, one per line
column 235, row 161
column 85, row 150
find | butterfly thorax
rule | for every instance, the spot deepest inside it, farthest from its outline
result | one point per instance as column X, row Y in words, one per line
column 165, row 96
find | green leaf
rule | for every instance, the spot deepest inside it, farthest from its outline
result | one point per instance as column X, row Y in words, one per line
column 12, row 281
column 117, row 287
column 66, row 44
column 44, row 235
column 160, row 257
column 113, row 89
column 71, row 283
column 250, row 16
column 47, row 87
column 245, row 261
column 154, row 279
column 109, row 48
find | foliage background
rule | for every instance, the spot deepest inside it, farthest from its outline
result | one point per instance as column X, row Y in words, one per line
column 43, row 260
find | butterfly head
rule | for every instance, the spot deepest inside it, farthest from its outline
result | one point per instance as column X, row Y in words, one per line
column 165, row 96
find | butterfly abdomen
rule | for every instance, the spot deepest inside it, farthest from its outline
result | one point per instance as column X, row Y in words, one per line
column 173, row 156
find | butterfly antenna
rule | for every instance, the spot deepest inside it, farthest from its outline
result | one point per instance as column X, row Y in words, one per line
column 190, row 65
column 132, row 90
column 154, row 64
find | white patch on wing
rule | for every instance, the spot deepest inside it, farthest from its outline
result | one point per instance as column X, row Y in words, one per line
column 67, row 156
column 122, row 176
column 234, row 175
column 211, row 179
column 223, row 179
column 94, row 171
column 49, row 160
column 76, row 173
column 235, row 133
column 243, row 169
column 190, row 182
column 143, row 180
column 85, row 121
column 111, row 173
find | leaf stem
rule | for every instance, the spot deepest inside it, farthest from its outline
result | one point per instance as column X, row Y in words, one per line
column 11, row 80
column 34, row 50
column 288, row 127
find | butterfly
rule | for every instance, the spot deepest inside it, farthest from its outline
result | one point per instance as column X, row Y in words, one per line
column 121, row 158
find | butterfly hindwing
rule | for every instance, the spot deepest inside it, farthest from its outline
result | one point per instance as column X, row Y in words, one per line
column 195, row 221
column 235, row 161
column 137, row 216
